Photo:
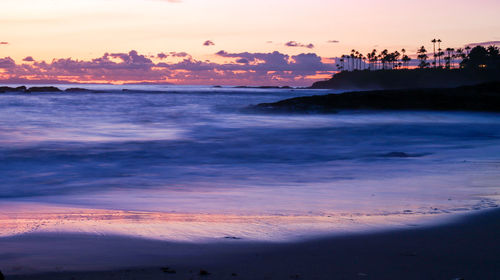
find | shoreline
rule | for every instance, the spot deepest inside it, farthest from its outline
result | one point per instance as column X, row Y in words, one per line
column 467, row 247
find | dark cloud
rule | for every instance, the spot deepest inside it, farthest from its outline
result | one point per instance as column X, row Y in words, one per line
column 28, row 59
column 4, row 43
column 333, row 41
column 162, row 55
column 242, row 60
column 300, row 45
column 208, row 43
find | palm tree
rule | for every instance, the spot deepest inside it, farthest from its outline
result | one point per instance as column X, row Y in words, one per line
column 340, row 66
column 395, row 58
column 406, row 60
column 369, row 58
column 422, row 56
column 372, row 59
column 356, row 61
column 384, row 55
column 467, row 49
column 449, row 57
column 434, row 41
column 345, row 62
column 440, row 52
column 353, row 55
column 403, row 51
column 375, row 58
column 459, row 53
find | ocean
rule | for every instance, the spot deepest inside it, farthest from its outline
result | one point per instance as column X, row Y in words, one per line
column 187, row 163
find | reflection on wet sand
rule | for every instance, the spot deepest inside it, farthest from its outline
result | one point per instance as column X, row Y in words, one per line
column 24, row 218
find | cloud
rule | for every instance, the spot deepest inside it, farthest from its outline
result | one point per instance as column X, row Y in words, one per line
column 242, row 60
column 300, row 45
column 162, row 55
column 131, row 58
column 208, row 43
column 333, row 41
column 484, row 44
column 4, row 43
column 7, row 63
column 179, row 54
column 244, row 68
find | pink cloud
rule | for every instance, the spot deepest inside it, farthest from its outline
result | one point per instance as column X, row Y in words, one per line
column 245, row 68
column 208, row 43
column 179, row 54
column 300, row 45
column 7, row 63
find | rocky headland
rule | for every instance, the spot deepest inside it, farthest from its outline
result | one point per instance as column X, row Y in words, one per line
column 482, row 97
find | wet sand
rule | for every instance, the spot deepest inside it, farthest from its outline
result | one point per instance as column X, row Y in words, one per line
column 467, row 248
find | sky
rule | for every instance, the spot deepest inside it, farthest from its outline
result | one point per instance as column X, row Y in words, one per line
column 257, row 42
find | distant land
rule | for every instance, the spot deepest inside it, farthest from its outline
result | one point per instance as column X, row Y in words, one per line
column 482, row 97
column 44, row 89
column 408, row 78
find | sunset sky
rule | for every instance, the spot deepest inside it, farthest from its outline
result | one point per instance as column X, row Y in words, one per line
column 188, row 34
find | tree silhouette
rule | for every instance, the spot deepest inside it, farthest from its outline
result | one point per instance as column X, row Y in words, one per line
column 434, row 41
column 403, row 52
column 481, row 57
column 362, row 61
column 369, row 58
column 373, row 58
column 449, row 57
column 384, row 57
column 406, row 61
column 422, row 56
column 459, row 53
column 493, row 52
column 395, row 58
column 477, row 57
column 353, row 55
column 440, row 52
column 467, row 49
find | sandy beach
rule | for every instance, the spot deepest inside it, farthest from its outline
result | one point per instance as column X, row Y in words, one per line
column 468, row 248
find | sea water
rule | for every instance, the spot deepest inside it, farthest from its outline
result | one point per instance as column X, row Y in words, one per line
column 187, row 163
